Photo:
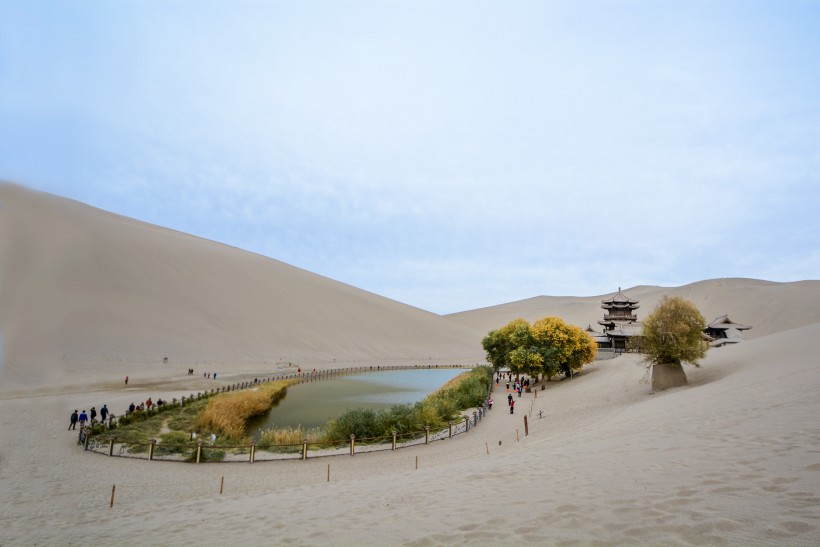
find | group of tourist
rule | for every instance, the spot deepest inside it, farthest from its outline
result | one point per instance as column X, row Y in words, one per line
column 88, row 418
column 147, row 405
column 518, row 384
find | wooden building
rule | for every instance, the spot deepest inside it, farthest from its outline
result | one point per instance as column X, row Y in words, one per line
column 724, row 331
column 620, row 322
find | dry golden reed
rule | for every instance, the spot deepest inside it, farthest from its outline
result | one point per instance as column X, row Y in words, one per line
column 227, row 414
column 289, row 436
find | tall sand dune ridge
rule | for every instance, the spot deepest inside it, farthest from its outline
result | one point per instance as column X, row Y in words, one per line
column 84, row 289
column 768, row 307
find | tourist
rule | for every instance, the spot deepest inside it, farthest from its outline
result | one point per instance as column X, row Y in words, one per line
column 131, row 408
column 74, row 417
column 509, row 399
column 214, row 375
column 83, row 419
column 512, row 406
column 93, row 414
column 104, row 413
column 149, row 403
column 490, row 403
column 126, row 380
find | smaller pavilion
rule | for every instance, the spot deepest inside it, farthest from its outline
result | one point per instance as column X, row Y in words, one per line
column 724, row 331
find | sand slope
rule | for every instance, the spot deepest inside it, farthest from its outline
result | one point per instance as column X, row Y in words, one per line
column 732, row 459
column 85, row 290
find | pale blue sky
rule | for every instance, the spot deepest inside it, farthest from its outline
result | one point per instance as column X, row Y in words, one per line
column 449, row 155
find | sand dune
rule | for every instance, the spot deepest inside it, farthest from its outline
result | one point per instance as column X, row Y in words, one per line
column 83, row 287
column 733, row 458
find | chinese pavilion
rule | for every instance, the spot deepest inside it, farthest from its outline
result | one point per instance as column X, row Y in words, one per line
column 620, row 322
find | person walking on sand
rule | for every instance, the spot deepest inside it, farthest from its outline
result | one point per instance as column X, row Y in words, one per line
column 74, row 417
column 103, row 413
column 509, row 399
column 490, row 403
column 126, row 380
column 512, row 407
column 93, row 414
column 83, row 419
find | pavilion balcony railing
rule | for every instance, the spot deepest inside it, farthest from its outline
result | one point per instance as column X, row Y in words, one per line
column 615, row 317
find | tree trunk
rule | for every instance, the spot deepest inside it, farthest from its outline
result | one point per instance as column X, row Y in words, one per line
column 668, row 376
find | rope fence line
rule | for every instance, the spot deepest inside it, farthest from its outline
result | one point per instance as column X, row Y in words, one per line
column 201, row 451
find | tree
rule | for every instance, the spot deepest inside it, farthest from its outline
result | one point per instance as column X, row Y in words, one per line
column 672, row 335
column 548, row 347
column 569, row 348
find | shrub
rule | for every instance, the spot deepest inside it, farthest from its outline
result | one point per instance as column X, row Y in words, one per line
column 466, row 390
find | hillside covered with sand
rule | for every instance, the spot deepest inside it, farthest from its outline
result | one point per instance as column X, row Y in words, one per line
column 85, row 291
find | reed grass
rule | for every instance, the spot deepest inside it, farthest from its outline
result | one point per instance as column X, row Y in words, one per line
column 289, row 435
column 227, row 414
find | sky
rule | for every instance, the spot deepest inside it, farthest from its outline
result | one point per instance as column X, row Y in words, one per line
column 450, row 155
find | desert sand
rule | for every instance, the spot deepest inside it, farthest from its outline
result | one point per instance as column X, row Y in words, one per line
column 88, row 297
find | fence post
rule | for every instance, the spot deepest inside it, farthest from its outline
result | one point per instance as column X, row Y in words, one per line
column 352, row 444
column 526, row 426
column 475, row 418
column 86, row 438
column 304, row 448
column 427, row 434
column 394, row 440
column 111, row 445
column 450, row 426
column 199, row 451
column 151, row 449
column 466, row 423
column 253, row 452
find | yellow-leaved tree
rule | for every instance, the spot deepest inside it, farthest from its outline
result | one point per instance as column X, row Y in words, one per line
column 569, row 347
column 549, row 347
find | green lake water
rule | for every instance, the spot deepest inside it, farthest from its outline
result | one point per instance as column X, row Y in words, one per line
column 314, row 403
